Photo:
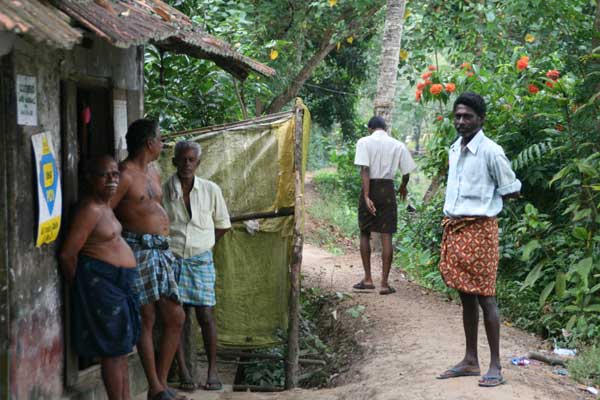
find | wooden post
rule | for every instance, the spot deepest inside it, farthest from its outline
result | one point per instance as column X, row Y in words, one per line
column 291, row 370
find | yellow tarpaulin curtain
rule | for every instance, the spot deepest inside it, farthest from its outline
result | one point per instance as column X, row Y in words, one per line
column 253, row 163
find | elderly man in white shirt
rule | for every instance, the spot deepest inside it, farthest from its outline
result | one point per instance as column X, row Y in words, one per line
column 198, row 217
column 379, row 157
column 479, row 177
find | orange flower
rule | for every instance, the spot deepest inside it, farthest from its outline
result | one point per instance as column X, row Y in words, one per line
column 522, row 63
column 469, row 74
column 432, row 68
column 553, row 74
column 466, row 66
column 427, row 82
column 426, row 75
column 436, row 89
column 418, row 95
column 550, row 84
column 532, row 88
column 440, row 118
column 421, row 85
column 450, row 87
column 559, row 127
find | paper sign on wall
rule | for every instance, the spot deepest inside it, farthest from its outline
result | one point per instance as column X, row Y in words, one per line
column 120, row 125
column 26, row 100
column 49, row 190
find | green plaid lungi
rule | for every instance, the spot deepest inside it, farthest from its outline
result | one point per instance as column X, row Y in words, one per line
column 196, row 279
column 154, row 266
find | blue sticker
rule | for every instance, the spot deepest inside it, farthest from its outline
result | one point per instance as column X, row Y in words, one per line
column 49, row 179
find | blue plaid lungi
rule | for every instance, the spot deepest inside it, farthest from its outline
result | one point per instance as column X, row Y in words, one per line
column 196, row 279
column 105, row 316
column 154, row 265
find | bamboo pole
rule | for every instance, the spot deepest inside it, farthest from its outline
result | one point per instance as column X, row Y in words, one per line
column 267, row 357
column 291, row 370
column 282, row 212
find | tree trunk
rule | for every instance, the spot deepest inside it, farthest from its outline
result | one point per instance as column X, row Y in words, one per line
column 327, row 45
column 388, row 65
column 298, row 81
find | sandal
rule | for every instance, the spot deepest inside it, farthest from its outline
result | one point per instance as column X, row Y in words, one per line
column 187, row 386
column 458, row 372
column 363, row 286
column 491, row 381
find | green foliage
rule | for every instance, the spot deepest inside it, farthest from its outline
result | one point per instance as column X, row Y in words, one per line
column 269, row 373
column 586, row 366
column 332, row 207
column 186, row 92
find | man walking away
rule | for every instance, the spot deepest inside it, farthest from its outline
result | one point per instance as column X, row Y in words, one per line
column 379, row 157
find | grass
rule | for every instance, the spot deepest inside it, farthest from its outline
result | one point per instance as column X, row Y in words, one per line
column 333, row 217
column 586, row 366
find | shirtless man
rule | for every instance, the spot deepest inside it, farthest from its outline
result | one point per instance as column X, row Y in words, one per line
column 100, row 267
column 146, row 227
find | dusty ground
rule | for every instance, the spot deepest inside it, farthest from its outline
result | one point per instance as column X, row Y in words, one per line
column 410, row 337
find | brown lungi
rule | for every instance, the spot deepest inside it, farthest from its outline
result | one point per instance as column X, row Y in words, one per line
column 469, row 256
column 385, row 220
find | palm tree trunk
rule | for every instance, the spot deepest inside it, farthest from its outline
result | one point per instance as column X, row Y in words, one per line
column 388, row 66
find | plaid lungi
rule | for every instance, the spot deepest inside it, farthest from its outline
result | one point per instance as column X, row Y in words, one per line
column 196, row 279
column 385, row 220
column 469, row 254
column 154, row 265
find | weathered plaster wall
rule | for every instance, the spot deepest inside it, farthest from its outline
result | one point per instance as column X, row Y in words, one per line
column 35, row 301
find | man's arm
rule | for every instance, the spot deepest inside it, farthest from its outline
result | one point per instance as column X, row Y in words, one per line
column 124, row 183
column 365, row 181
column 220, row 214
column 219, row 233
column 83, row 224
column 513, row 195
column 403, row 190
column 508, row 186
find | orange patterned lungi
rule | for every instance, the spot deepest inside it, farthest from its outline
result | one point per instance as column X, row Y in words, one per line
column 469, row 256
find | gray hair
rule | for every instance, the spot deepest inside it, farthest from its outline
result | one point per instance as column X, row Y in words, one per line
column 187, row 144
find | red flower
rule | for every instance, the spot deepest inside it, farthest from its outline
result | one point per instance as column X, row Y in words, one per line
column 466, row 66
column 550, row 84
column 432, row 68
column 426, row 75
column 532, row 88
column 440, row 118
column 421, row 85
column 553, row 74
column 450, row 87
column 522, row 63
column 427, row 82
column 436, row 89
column 418, row 95
column 469, row 74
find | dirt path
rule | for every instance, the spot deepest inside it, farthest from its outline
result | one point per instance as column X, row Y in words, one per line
column 410, row 337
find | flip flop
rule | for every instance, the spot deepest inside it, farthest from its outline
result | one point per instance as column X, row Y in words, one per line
column 387, row 290
column 491, row 381
column 164, row 395
column 456, row 373
column 173, row 395
column 213, row 386
column 187, row 386
column 363, row 286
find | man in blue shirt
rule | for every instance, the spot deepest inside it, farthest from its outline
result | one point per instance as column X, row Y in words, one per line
column 479, row 178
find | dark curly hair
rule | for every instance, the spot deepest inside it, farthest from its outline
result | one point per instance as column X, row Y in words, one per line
column 138, row 134
column 472, row 100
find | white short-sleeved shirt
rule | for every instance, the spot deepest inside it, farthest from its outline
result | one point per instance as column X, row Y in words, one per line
column 195, row 235
column 384, row 156
column 478, row 177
